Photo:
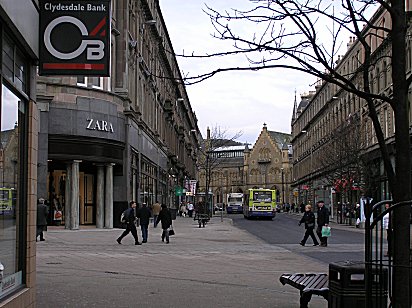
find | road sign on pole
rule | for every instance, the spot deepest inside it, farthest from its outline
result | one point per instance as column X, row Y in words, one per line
column 179, row 191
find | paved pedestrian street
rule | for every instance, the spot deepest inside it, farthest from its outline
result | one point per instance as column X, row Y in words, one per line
column 216, row 266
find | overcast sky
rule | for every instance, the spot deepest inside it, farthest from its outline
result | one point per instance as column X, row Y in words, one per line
column 236, row 101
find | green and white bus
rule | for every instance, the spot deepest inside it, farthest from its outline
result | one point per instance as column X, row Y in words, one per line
column 260, row 202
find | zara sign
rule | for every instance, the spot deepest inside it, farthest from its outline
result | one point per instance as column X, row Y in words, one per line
column 93, row 124
column 74, row 37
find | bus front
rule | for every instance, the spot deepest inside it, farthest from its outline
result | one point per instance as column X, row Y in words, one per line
column 262, row 203
column 234, row 203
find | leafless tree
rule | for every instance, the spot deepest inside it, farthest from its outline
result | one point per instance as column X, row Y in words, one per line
column 211, row 158
column 343, row 164
column 288, row 35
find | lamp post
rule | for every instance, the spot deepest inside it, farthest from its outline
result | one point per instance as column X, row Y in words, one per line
column 207, row 184
column 283, row 188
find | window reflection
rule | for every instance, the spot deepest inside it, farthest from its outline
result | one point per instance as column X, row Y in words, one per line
column 9, row 170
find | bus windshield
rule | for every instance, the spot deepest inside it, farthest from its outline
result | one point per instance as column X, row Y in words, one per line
column 235, row 199
column 262, row 196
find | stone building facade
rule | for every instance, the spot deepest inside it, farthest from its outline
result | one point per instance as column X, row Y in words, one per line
column 130, row 136
column 325, row 116
column 266, row 165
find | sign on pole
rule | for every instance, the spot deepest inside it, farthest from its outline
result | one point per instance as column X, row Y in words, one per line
column 179, row 191
column 74, row 37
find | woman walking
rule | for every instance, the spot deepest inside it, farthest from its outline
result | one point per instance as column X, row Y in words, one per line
column 166, row 219
column 309, row 220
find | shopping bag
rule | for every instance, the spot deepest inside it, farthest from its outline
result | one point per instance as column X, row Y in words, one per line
column 171, row 231
column 325, row 231
column 58, row 215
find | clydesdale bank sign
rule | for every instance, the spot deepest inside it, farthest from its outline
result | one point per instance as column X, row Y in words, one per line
column 74, row 37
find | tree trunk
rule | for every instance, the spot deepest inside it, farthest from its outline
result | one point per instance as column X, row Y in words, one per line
column 402, row 183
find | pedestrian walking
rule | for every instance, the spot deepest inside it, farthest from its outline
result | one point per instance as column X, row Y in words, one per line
column 42, row 213
column 309, row 220
column 130, row 224
column 166, row 219
column 144, row 215
column 340, row 213
column 387, row 225
column 322, row 220
column 302, row 207
column 357, row 215
column 156, row 210
column 182, row 210
column 190, row 209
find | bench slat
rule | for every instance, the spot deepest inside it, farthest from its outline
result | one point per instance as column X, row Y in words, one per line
column 308, row 278
column 317, row 282
column 297, row 277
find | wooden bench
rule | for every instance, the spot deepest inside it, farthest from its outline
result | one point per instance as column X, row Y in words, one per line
column 202, row 219
column 308, row 284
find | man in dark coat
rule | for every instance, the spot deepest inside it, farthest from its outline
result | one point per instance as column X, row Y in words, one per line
column 144, row 215
column 309, row 220
column 166, row 219
column 42, row 213
column 130, row 224
column 322, row 220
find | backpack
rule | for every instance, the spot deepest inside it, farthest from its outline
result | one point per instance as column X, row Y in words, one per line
column 124, row 217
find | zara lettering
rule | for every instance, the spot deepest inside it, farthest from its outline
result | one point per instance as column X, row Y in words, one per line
column 101, row 125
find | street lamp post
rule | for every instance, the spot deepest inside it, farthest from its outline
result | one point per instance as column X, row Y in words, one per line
column 283, row 188
column 207, row 184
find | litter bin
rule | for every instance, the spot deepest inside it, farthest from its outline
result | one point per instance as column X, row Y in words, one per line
column 347, row 286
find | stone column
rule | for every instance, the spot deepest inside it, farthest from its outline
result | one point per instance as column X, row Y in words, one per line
column 74, row 198
column 100, row 197
column 67, row 197
column 108, row 198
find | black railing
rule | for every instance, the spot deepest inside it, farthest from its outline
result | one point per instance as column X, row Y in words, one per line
column 379, row 252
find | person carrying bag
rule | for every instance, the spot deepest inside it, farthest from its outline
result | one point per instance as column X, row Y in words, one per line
column 322, row 220
column 166, row 219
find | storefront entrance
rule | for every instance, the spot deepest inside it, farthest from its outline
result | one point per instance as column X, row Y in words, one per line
column 86, row 199
column 56, row 197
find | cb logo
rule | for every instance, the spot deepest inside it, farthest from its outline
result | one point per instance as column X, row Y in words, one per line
column 95, row 47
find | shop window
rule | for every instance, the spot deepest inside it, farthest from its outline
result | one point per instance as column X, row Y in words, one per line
column 14, row 65
column 135, row 174
column 149, row 182
column 90, row 82
column 12, row 151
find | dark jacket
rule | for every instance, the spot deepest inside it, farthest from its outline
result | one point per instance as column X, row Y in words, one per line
column 323, row 216
column 165, row 217
column 144, row 214
column 130, row 216
column 42, row 212
column 309, row 219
